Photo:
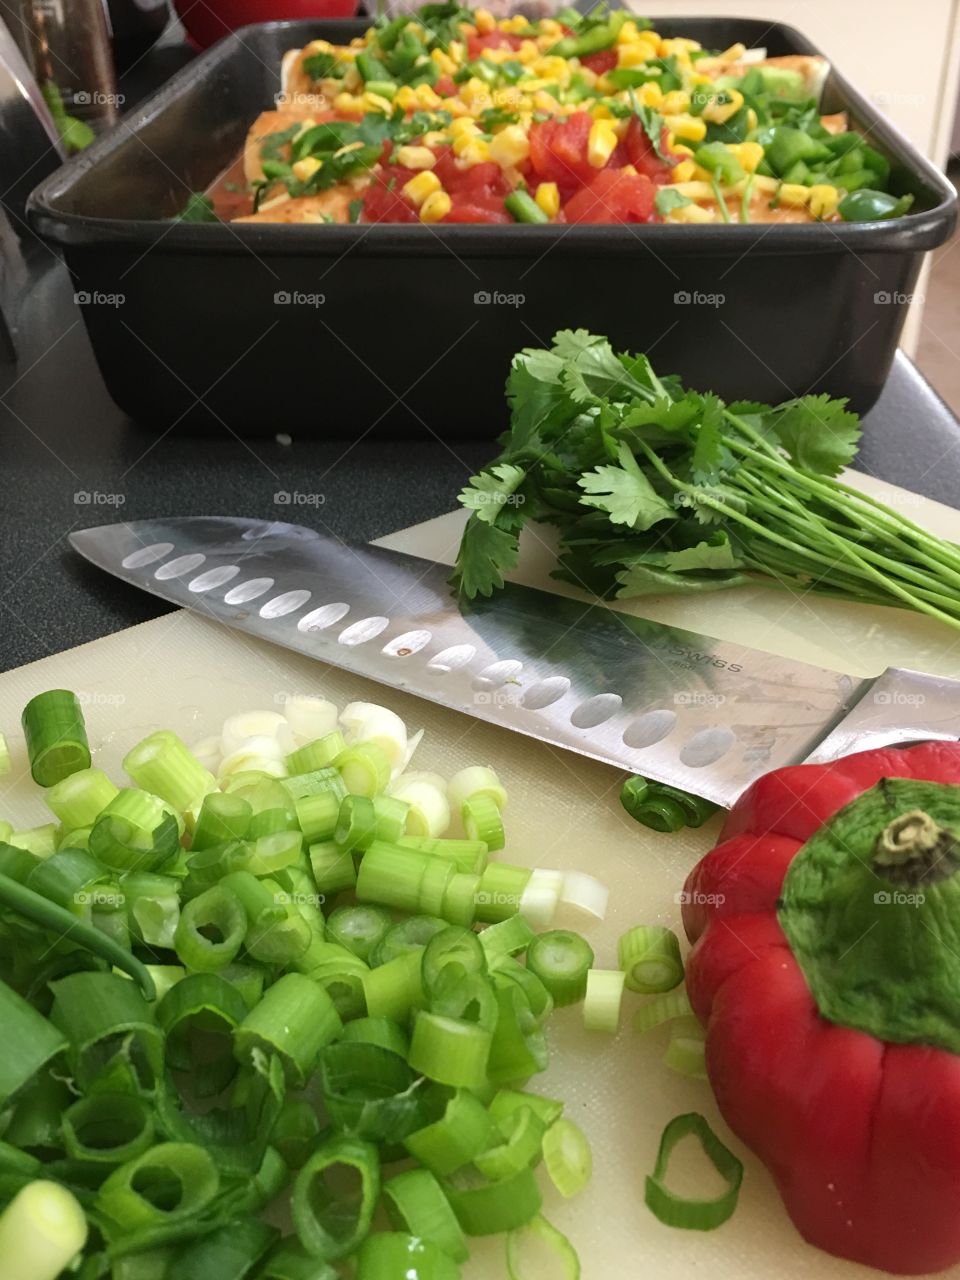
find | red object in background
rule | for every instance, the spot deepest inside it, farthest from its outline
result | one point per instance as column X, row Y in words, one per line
column 208, row 21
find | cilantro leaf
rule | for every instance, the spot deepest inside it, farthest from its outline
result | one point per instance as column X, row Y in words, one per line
column 710, row 454
column 668, row 199
column 644, row 580
column 591, row 370
column 486, row 554
column 652, row 122
column 492, row 490
column 625, row 493
column 716, row 553
column 818, row 433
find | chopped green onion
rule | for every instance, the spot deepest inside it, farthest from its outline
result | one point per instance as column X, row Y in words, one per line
column 164, row 765
column 222, row 818
column 333, row 867
column 428, row 809
column 434, row 884
column 42, row 1230
column 453, row 946
column 561, row 960
column 519, row 1048
column 290, row 1261
column 5, row 762
column 211, row 930
column 411, row 934
column 108, row 1128
column 172, row 1181
column 104, row 1016
column 314, row 783
column 153, row 906
column 317, row 754
column 391, row 876
column 601, row 1006
column 686, row 1051
column 365, row 768
column 663, row 808
column 508, row 972
column 391, row 815
column 393, row 989
column 356, row 823
column 317, row 815
column 382, row 1031
column 56, row 736
column 296, row 1131
column 449, row 1050
column 415, row 1203
column 248, row 979
column 506, row 1101
column 392, row 1255
column 469, row 856
column 539, row 1249
column 500, row 892
column 677, row 1211
column 119, row 843
column 523, row 1134
column 79, row 798
column 567, row 1156
column 459, row 1130
column 460, row 899
column 508, row 938
column 295, row 1019
column 332, row 1223
column 368, row 1091
column 270, row 854
column 358, row 928
column 475, row 780
column 29, row 1042
column 650, row 959
column 674, row 1004
column 199, row 1016
column 482, row 821
column 486, row 1208
column 229, row 1253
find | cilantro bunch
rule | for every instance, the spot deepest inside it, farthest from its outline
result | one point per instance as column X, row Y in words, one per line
column 656, row 488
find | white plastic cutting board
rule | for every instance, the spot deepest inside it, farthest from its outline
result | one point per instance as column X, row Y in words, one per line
column 187, row 674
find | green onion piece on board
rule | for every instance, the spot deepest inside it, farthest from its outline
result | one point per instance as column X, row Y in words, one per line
column 451, row 947
column 41, row 841
column 164, row 765
column 415, row 1204
column 211, row 930
column 523, row 1133
column 663, row 808
column 650, row 958
column 519, row 1047
column 434, row 884
column 381, row 1031
column 482, row 821
column 37, row 1112
column 459, row 1129
column 368, row 1091
column 356, row 823
column 62, row 924
column 674, row 1004
column 42, row 1230
column 561, row 960
column 80, row 798
column 108, row 1128
column 468, row 856
column 506, row 1101
column 391, row 816
column 29, row 1042
column 390, row 876
column 466, row 997
column 460, row 899
column 232, row 1252
column 677, row 1211
column 222, row 818
column 56, row 736
column 539, row 1249
column 331, row 1222
column 199, row 1016
column 317, row 816
column 393, row 989
column 296, row 1132
column 333, row 868
column 316, row 755
column 295, row 1019
column 486, row 1208
column 450, row 1050
column 315, row 782
column 6, row 763
column 686, row 1051
column 411, row 934
column 290, row 1261
column 508, row 938
column 364, row 768
column 501, row 888
column 153, row 906
column 508, row 972
column 394, row 1254
column 522, row 206
column 105, row 1016
column 170, row 1182
column 358, row 928
column 567, row 1156
column 601, row 1005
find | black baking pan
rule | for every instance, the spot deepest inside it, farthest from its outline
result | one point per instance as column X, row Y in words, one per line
column 341, row 330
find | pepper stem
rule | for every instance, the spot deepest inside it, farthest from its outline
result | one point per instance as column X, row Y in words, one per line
column 915, row 849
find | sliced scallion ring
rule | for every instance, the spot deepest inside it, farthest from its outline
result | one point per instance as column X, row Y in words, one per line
column 601, row 1005
column 686, row 1051
column 677, row 1211
column 568, row 1158
column 650, row 957
column 416, row 1204
column 538, row 1249
column 561, row 960
column 330, row 1222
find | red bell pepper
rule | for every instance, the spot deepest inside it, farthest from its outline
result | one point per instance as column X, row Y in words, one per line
column 826, row 970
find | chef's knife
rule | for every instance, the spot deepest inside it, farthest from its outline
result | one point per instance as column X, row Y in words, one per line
column 678, row 707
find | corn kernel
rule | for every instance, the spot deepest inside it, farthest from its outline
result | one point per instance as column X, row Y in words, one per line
column 416, row 157
column 406, row 97
column 600, row 111
column 733, row 54
column 763, row 183
column 435, row 138
column 374, row 102
column 556, row 70
column 528, row 52
column 601, row 143
column 436, row 207
column 352, row 80
column 698, row 78
column 627, row 32
column 648, row 95
column 751, row 119
column 515, row 25
column 695, row 190
column 467, row 29
column 427, row 99
column 689, row 127
column 548, row 198
column 484, row 21
column 304, row 169
column 721, row 112
column 684, row 171
column 544, row 101
column 691, row 213
column 346, row 102
column 422, row 186
column 551, row 27
column 749, row 154
column 629, row 168
column 475, row 92
column 678, row 45
column 443, row 60
column 472, row 151
column 634, row 55
column 676, row 102
column 681, row 149
column 794, row 195
column 456, row 50
column 467, row 143
column 510, row 146
column 823, row 200
column 464, row 126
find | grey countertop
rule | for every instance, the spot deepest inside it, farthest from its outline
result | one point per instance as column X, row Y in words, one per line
column 69, row 459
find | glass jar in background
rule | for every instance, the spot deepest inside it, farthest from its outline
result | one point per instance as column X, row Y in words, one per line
column 67, row 45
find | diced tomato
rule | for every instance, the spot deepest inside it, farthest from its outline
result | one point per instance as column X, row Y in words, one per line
column 467, row 210
column 602, row 62
column 492, row 40
column 642, row 156
column 613, row 196
column 384, row 200
column 445, row 87
column 558, row 151
column 486, row 177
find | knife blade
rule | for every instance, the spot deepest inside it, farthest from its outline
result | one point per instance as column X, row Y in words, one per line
column 679, row 707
